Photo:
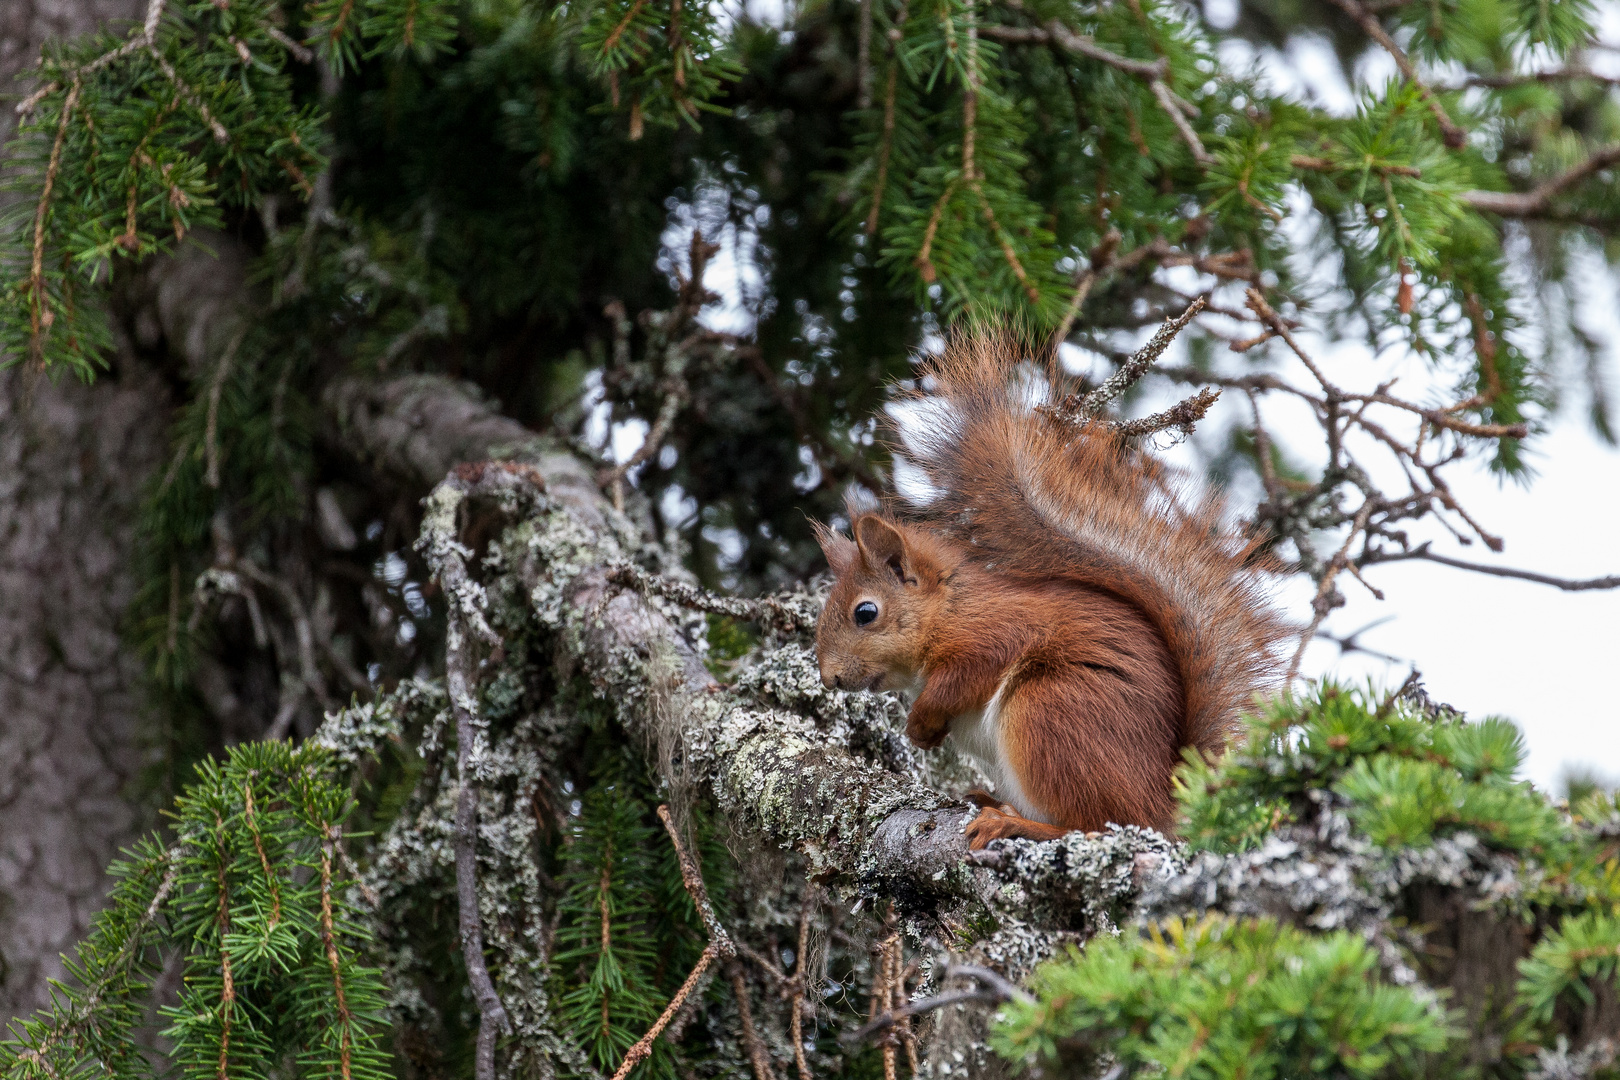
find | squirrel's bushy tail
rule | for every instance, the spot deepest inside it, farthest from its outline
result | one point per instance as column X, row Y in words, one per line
column 1033, row 497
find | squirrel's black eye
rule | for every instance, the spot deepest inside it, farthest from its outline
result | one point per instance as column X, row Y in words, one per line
column 865, row 612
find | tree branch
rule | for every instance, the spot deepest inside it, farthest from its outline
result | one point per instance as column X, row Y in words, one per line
column 1455, row 137
column 1538, row 199
column 1567, row 584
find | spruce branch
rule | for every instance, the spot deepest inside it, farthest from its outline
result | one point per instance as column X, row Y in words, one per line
column 1454, row 136
column 1154, row 72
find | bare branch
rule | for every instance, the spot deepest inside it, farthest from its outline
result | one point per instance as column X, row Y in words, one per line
column 1167, row 101
column 1181, row 416
column 1567, row 584
column 643, row 1045
column 1323, row 602
column 1537, row 200
column 1054, row 32
column 1081, row 410
column 995, row 990
column 719, row 940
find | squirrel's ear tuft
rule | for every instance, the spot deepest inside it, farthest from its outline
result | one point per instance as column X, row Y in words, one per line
column 881, row 544
column 839, row 549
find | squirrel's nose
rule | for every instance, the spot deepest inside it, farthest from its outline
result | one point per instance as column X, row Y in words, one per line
column 829, row 680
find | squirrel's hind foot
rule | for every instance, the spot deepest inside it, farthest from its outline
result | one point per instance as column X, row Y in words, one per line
column 1001, row 822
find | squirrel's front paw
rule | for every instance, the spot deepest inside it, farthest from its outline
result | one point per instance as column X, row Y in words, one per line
column 925, row 738
column 995, row 823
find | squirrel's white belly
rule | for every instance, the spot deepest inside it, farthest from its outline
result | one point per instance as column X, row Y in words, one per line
column 978, row 735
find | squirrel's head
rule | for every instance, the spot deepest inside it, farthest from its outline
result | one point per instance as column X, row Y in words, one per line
column 889, row 580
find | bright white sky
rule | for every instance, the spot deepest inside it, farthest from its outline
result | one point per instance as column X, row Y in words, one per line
column 1540, row 656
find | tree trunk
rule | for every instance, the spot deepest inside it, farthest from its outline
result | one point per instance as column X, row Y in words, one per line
column 72, row 461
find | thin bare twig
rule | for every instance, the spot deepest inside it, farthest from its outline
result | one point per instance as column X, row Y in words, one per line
column 39, row 314
column 693, row 881
column 1155, row 71
column 758, row 1055
column 215, row 388
column 994, row 989
column 1567, row 584
column 800, row 974
column 1182, row 416
column 643, row 1045
column 720, row 945
column 1323, row 601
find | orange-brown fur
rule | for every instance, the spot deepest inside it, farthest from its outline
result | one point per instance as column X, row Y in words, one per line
column 1102, row 595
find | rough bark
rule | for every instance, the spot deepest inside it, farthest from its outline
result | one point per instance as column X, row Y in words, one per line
column 72, row 462
column 782, row 769
column 72, row 459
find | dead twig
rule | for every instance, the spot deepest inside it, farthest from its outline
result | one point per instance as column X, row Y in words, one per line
column 1323, row 601
column 720, row 945
column 1154, row 71
column 1181, row 416
column 758, row 1055
column 1612, row 581
column 643, row 1045
column 1080, row 410
column 776, row 614
column 994, row 989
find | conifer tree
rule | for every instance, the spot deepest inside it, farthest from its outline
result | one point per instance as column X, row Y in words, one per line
column 470, row 771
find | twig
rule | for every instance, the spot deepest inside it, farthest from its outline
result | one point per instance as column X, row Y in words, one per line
column 995, row 990
column 39, row 315
column 1083, row 44
column 1506, row 81
column 299, row 52
column 776, row 614
column 215, row 388
column 464, row 619
column 718, row 938
column 1323, row 603
column 643, row 1045
column 800, row 971
column 1567, row 584
column 1455, row 137
column 190, row 96
column 863, row 58
column 1537, row 199
column 492, row 1016
column 757, row 1053
column 1181, row 416
column 1188, row 135
column 1082, row 410
column 1100, row 261
column 720, row 945
column 884, row 149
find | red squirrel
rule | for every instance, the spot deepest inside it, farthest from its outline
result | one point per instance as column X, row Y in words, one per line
column 1066, row 609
